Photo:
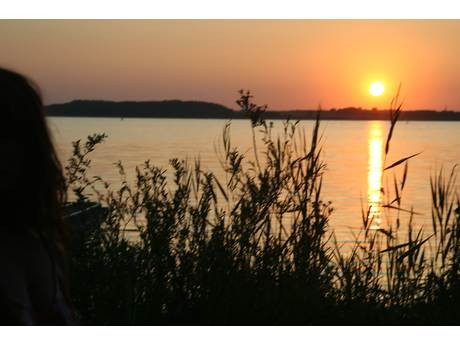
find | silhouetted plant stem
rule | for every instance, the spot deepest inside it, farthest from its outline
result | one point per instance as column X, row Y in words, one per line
column 254, row 145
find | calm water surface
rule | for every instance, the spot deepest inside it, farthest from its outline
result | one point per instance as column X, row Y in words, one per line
column 353, row 151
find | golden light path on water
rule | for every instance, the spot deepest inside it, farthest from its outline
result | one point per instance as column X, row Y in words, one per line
column 374, row 174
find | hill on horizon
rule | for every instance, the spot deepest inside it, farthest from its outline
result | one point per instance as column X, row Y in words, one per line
column 201, row 109
column 166, row 108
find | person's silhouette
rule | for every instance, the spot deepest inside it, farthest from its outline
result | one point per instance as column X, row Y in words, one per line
column 33, row 285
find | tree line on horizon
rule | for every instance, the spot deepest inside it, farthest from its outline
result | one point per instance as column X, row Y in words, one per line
column 200, row 109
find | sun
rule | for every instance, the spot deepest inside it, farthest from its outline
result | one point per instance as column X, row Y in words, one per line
column 376, row 88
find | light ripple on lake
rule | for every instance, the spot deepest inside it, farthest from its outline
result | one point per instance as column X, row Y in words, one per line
column 352, row 151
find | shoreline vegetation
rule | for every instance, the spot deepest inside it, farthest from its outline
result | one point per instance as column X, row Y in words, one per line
column 256, row 248
column 206, row 110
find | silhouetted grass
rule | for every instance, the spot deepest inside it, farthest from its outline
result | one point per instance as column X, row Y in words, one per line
column 256, row 248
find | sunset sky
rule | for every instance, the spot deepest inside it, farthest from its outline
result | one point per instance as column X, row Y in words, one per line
column 287, row 64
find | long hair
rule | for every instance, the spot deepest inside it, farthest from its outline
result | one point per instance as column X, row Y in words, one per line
column 35, row 201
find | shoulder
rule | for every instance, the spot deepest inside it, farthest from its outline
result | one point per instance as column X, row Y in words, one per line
column 19, row 245
column 23, row 255
column 27, row 280
column 21, row 252
column 14, row 295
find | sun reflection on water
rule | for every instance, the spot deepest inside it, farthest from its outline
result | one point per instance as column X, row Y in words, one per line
column 374, row 174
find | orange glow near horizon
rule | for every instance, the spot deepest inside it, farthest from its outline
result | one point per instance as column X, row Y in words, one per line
column 287, row 64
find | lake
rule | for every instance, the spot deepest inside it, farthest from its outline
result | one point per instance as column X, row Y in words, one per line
column 353, row 152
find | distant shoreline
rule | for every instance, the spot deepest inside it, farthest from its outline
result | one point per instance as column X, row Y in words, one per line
column 323, row 118
column 205, row 110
